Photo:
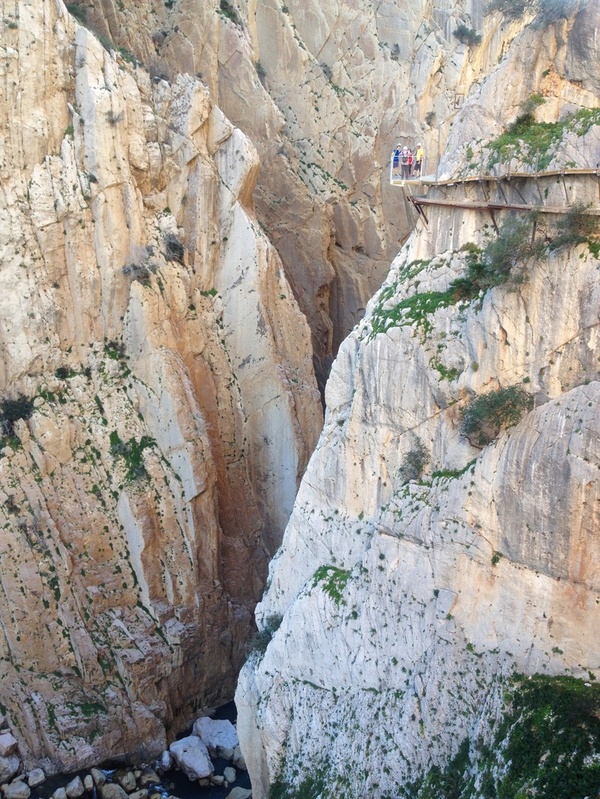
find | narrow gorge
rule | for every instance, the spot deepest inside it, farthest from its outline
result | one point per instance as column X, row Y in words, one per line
column 199, row 247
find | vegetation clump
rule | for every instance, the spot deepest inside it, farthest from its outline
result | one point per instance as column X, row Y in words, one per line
column 334, row 582
column 467, row 35
column 414, row 462
column 535, row 143
column 174, row 249
column 262, row 638
column 486, row 415
column 229, row 11
column 503, row 260
column 577, row 226
column 11, row 410
column 548, row 11
column 132, row 452
column 546, row 745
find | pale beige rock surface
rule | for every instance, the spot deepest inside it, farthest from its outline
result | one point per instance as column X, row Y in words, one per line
column 149, row 321
column 325, row 90
column 403, row 606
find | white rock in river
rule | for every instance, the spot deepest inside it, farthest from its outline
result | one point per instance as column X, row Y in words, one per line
column 166, row 761
column 8, row 744
column 75, row 788
column 238, row 759
column 126, row 780
column 88, row 783
column 99, row 776
column 239, row 793
column 36, row 777
column 8, row 767
column 17, row 790
column 192, row 757
column 216, row 734
column 229, row 774
column 59, row 793
column 112, row 791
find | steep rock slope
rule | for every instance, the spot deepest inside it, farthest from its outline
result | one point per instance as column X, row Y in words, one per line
column 401, row 608
column 156, row 391
column 325, row 90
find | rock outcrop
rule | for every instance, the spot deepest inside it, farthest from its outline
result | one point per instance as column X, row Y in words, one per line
column 325, row 90
column 425, row 564
column 157, row 396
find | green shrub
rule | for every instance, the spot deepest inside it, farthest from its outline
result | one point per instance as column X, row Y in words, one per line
column 553, row 10
column 511, row 9
column 486, row 415
column 132, row 452
column 11, row 410
column 503, row 260
column 228, row 10
column 334, row 582
column 414, row 462
column 467, row 35
column 262, row 638
column 78, row 12
column 174, row 249
column 576, row 227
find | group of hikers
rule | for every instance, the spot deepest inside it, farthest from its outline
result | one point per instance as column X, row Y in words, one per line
column 408, row 163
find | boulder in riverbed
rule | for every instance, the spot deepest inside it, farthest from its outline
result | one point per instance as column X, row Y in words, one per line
column 8, row 744
column 17, row 790
column 112, row 791
column 36, row 777
column 98, row 776
column 216, row 734
column 8, row 767
column 75, row 788
column 192, row 757
column 239, row 793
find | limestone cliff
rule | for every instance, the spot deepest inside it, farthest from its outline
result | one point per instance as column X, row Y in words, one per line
column 324, row 90
column 157, row 396
column 428, row 560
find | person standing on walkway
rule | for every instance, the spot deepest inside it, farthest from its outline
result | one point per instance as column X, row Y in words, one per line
column 419, row 156
column 404, row 163
column 396, row 161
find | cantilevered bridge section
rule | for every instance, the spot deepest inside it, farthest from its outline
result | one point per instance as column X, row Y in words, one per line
column 496, row 192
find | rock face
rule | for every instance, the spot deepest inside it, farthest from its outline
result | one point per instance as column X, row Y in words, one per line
column 401, row 607
column 324, row 90
column 156, row 391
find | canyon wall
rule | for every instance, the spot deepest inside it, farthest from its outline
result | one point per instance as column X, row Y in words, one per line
column 427, row 562
column 157, row 396
column 325, row 90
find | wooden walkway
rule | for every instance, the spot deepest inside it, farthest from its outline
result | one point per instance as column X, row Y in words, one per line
column 429, row 180
column 419, row 202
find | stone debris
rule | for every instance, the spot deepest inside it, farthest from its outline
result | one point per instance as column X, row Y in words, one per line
column 9, row 766
column 147, row 777
column 98, row 776
column 17, row 790
column 36, row 777
column 218, row 735
column 238, row 759
column 126, row 780
column 75, row 788
column 8, row 744
column 229, row 774
column 88, row 783
column 239, row 793
column 192, row 757
column 166, row 761
column 112, row 791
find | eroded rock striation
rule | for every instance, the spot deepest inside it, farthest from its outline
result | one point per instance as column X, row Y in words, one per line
column 325, row 90
column 428, row 561
column 157, row 397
